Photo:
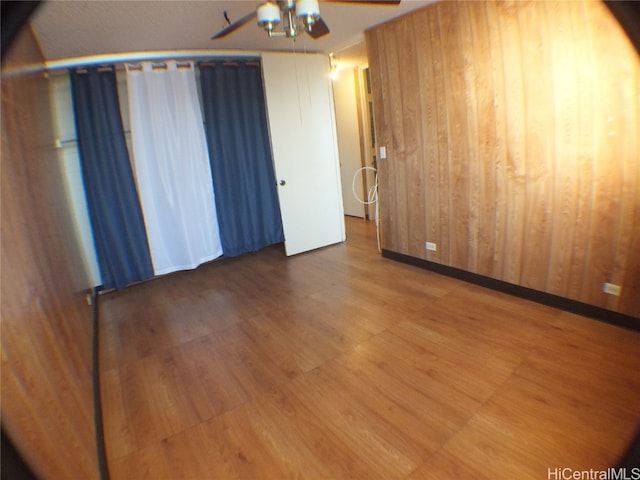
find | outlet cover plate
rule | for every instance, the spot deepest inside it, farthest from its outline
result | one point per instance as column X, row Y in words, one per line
column 611, row 289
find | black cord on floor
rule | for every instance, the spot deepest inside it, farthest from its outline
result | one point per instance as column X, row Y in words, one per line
column 97, row 402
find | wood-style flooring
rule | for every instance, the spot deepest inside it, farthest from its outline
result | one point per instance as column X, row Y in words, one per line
column 339, row 364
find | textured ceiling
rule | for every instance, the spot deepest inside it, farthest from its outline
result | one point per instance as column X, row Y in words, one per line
column 77, row 28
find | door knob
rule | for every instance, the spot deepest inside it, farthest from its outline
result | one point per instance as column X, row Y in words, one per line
column 282, row 183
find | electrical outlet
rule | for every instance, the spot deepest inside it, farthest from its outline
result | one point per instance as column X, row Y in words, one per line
column 611, row 289
column 430, row 246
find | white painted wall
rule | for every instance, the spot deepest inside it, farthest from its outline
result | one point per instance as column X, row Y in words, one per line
column 345, row 99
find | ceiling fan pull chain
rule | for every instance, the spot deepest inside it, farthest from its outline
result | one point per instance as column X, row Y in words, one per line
column 306, row 64
column 295, row 68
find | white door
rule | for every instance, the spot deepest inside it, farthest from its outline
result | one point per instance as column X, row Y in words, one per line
column 305, row 153
column 346, row 107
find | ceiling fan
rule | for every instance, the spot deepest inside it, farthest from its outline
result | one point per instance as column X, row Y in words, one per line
column 297, row 16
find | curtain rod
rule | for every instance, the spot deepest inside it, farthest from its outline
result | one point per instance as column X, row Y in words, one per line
column 134, row 57
column 127, row 57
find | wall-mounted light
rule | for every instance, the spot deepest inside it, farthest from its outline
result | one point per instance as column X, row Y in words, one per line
column 333, row 72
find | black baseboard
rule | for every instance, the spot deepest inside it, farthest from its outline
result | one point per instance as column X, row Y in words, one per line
column 562, row 303
column 628, row 15
column 631, row 457
column 13, row 465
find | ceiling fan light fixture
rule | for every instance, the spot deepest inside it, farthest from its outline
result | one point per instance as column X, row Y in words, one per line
column 268, row 15
column 308, row 11
column 295, row 16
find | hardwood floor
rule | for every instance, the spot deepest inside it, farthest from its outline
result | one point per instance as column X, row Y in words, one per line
column 341, row 364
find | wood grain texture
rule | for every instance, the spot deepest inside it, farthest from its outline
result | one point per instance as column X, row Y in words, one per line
column 567, row 100
column 399, row 228
column 413, row 146
column 443, row 207
column 486, row 121
column 341, row 364
column 539, row 140
column 515, row 187
column 451, row 24
column 473, row 145
column 499, row 143
column 47, row 407
column 382, row 131
column 607, row 164
column 429, row 135
column 583, row 178
column 528, row 117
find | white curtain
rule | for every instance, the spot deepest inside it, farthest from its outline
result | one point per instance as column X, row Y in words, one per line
column 172, row 166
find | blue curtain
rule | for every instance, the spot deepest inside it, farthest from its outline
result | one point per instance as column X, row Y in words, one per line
column 114, row 209
column 240, row 155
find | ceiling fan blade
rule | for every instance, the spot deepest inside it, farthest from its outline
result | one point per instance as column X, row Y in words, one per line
column 235, row 25
column 319, row 28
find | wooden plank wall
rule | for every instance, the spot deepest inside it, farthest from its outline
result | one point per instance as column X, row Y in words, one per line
column 47, row 407
column 512, row 139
